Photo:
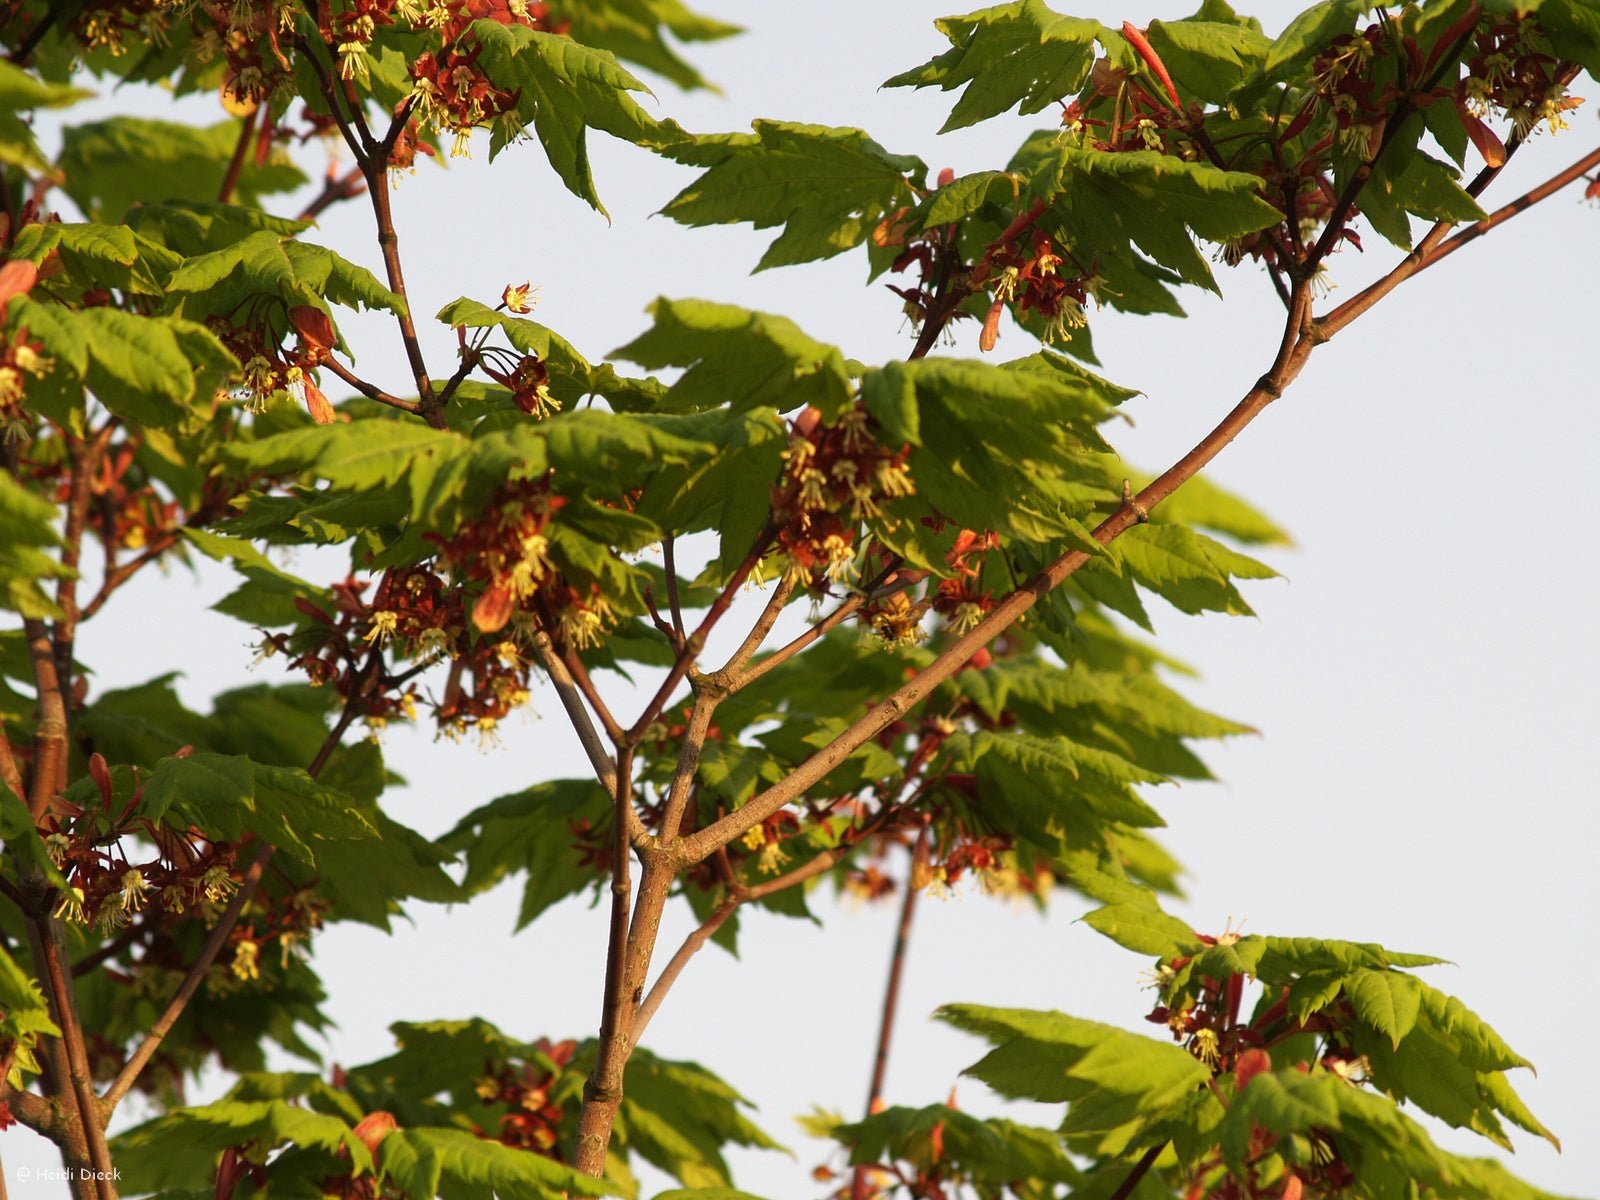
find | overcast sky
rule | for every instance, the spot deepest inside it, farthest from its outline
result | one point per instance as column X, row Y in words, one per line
column 1422, row 680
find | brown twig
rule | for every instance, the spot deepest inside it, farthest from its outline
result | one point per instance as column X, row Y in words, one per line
column 753, row 641
column 30, row 43
column 116, row 576
column 1438, row 244
column 335, row 188
column 1140, row 1170
column 891, row 996
column 696, row 641
column 44, row 935
column 670, row 565
column 580, row 676
column 209, row 950
column 352, row 127
column 247, row 129
column 784, row 653
column 706, row 699
column 370, row 391
column 692, row 945
column 10, row 773
column 85, row 459
column 567, row 691
column 215, row 940
column 50, row 734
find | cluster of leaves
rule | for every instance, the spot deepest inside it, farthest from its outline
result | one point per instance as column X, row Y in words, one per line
column 1293, row 1097
column 162, row 371
column 458, row 1108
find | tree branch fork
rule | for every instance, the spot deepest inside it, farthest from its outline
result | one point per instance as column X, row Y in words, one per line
column 670, row 852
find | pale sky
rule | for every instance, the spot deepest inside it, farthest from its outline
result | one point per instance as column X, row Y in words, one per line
column 1422, row 679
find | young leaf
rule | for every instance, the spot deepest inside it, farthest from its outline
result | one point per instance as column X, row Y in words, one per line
column 1020, row 54
column 563, row 88
column 739, row 358
column 828, row 188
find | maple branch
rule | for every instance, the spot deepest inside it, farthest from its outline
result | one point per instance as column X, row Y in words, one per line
column 1140, row 1170
column 784, row 653
column 616, row 984
column 10, row 773
column 891, row 996
column 697, row 640
column 370, row 391
column 692, row 945
column 215, row 940
column 874, row 590
column 670, row 565
column 1438, row 245
column 209, row 950
column 44, row 937
column 84, row 456
column 1298, row 342
column 230, row 179
column 732, row 669
column 335, row 188
column 372, row 170
column 580, row 675
column 602, row 1092
column 706, row 699
column 605, row 769
column 116, row 576
column 50, row 734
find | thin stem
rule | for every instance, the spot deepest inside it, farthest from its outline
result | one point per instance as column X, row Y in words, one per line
column 580, row 676
column 116, row 576
column 891, row 997
column 230, row 180
column 694, row 737
column 370, row 391
column 352, row 128
column 614, row 1015
column 1140, row 1170
column 784, row 653
column 692, row 945
column 10, row 773
column 215, row 940
column 897, row 963
column 85, row 458
column 334, row 189
column 50, row 956
column 1438, row 245
column 26, row 47
column 758, row 632
column 212, row 946
column 605, row 769
column 670, row 565
column 50, row 734
column 697, row 640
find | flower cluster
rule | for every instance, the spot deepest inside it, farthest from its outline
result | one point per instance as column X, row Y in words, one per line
column 1512, row 71
column 506, row 550
column 835, row 477
column 1140, row 118
column 959, row 599
column 450, row 90
column 532, row 1120
column 286, row 922
column 105, row 888
column 1028, row 275
column 270, row 370
column 20, row 359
